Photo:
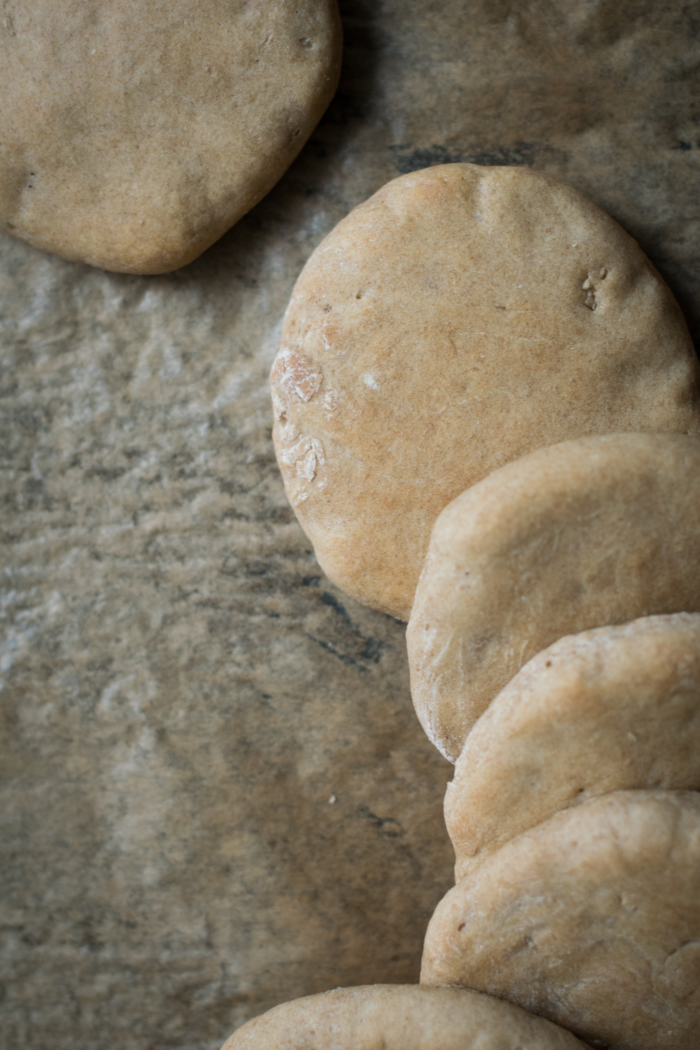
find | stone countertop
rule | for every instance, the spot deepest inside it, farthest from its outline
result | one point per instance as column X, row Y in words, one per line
column 215, row 795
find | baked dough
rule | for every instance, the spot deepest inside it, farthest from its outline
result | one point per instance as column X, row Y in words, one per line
column 399, row 1017
column 579, row 535
column 133, row 133
column 612, row 708
column 461, row 317
column 591, row 919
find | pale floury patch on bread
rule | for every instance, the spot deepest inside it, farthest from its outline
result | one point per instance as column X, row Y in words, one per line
column 460, row 318
column 134, row 133
column 591, row 919
column 601, row 711
column 579, row 535
column 400, row 1017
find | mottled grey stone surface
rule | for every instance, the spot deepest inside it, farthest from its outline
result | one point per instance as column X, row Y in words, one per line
column 182, row 691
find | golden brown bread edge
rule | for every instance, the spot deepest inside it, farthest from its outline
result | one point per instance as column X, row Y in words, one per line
column 400, row 1017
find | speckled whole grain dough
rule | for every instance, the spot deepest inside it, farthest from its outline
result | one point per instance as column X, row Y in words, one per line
column 601, row 711
column 591, row 919
column 400, row 1017
column 579, row 535
column 461, row 317
column 134, row 133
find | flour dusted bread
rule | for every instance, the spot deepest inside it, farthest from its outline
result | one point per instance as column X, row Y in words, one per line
column 133, row 133
column 399, row 1017
column 460, row 318
column 598, row 531
column 612, row 708
column 591, row 919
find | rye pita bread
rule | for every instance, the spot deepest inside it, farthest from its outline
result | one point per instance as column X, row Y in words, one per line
column 461, row 317
column 592, row 920
column 610, row 709
column 399, row 1017
column 580, row 535
column 134, row 133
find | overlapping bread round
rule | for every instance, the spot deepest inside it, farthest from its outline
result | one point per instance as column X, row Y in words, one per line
column 579, row 535
column 399, row 1017
column 134, row 133
column 609, row 709
column 591, row 919
column 460, row 318
column 576, row 898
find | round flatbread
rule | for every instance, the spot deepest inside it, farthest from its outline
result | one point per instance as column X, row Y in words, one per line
column 460, row 318
column 592, row 920
column 609, row 709
column 400, row 1017
column 579, row 535
column 134, row 133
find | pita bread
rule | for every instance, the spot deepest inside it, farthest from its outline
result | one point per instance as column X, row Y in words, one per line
column 399, row 1017
column 134, row 133
column 460, row 318
column 609, row 709
column 591, row 919
column 579, row 535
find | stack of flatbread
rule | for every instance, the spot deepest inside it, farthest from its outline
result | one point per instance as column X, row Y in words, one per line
column 487, row 418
